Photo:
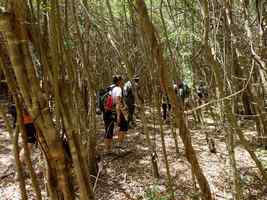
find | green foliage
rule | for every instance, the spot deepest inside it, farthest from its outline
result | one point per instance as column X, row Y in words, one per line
column 194, row 196
column 44, row 7
column 247, row 180
column 154, row 193
column 262, row 155
column 69, row 43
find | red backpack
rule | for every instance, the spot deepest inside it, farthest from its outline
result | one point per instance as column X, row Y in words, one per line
column 108, row 103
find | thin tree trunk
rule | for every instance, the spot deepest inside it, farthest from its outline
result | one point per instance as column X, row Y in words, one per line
column 21, row 178
column 27, row 151
column 230, row 62
column 14, row 40
column 14, row 138
column 213, row 62
column 153, row 153
column 149, row 34
column 170, row 182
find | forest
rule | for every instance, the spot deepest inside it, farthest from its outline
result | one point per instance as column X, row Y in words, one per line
column 133, row 99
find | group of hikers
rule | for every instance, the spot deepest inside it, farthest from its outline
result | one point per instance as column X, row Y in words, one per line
column 117, row 103
column 182, row 91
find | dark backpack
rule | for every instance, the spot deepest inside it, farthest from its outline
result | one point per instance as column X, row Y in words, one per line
column 104, row 100
column 184, row 90
column 12, row 111
column 202, row 92
column 128, row 95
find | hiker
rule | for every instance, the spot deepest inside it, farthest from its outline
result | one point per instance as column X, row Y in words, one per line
column 202, row 92
column 28, row 126
column 30, row 133
column 115, row 111
column 12, row 111
column 182, row 90
column 129, row 97
column 166, row 106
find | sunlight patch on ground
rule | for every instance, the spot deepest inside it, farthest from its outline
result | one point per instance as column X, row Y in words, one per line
column 10, row 192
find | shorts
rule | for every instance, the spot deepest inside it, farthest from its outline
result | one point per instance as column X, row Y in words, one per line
column 166, row 106
column 123, row 123
column 109, row 120
column 31, row 133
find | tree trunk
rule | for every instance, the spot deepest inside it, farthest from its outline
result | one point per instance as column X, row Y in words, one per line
column 149, row 34
column 153, row 154
column 213, row 62
column 18, row 51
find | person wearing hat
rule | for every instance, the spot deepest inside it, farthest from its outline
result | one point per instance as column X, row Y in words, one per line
column 129, row 97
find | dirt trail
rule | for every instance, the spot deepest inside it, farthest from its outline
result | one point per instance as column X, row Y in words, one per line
column 128, row 176
column 8, row 189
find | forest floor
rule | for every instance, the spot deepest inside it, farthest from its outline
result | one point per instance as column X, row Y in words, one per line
column 127, row 175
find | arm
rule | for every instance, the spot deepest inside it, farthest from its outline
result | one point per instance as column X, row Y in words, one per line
column 117, row 92
column 118, row 107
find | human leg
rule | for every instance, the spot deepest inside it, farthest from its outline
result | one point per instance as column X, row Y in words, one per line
column 31, row 140
column 131, row 109
column 123, row 125
column 22, row 153
column 164, row 108
column 109, row 128
column 130, row 112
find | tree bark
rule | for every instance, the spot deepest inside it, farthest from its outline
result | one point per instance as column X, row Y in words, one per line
column 17, row 43
column 149, row 34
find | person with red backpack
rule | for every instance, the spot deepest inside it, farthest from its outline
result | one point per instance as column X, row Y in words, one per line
column 30, row 133
column 114, row 110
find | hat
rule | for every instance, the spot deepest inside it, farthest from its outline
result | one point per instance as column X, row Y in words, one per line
column 135, row 77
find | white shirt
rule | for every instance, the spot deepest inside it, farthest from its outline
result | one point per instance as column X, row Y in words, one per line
column 127, row 86
column 116, row 92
